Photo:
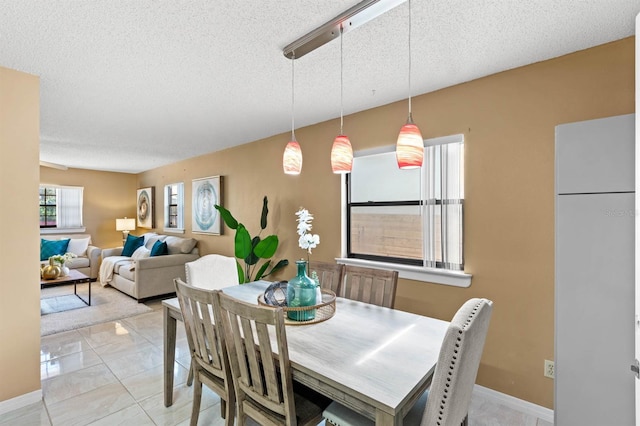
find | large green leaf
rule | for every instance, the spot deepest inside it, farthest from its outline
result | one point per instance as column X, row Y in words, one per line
column 240, row 273
column 252, row 259
column 281, row 264
column 263, row 268
column 265, row 212
column 243, row 242
column 228, row 218
column 267, row 247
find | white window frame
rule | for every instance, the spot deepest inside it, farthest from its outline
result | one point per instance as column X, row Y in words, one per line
column 179, row 229
column 412, row 272
column 74, row 201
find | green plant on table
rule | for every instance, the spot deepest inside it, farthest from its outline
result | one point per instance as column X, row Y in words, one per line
column 251, row 250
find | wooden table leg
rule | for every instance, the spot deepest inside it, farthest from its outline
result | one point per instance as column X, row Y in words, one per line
column 386, row 419
column 170, row 325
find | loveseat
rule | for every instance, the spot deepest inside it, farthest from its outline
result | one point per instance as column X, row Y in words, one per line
column 142, row 275
column 87, row 258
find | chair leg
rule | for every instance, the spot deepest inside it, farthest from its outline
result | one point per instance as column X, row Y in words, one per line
column 197, row 396
column 190, row 376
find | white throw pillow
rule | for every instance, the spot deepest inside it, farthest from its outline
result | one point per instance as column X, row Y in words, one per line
column 78, row 246
column 140, row 253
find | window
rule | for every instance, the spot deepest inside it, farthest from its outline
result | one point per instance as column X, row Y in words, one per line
column 411, row 220
column 61, row 207
column 174, row 207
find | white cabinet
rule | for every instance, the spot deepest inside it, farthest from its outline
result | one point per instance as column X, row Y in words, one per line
column 594, row 293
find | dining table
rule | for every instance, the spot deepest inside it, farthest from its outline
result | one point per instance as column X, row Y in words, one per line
column 375, row 360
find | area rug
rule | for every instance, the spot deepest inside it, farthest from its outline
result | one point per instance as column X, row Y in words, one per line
column 107, row 304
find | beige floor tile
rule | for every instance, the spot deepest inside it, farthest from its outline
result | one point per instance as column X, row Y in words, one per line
column 147, row 383
column 149, row 321
column 544, row 423
column 78, row 382
column 134, row 361
column 68, row 363
column 486, row 413
column 90, row 406
column 110, row 332
column 31, row 415
column 130, row 416
column 181, row 408
column 57, row 345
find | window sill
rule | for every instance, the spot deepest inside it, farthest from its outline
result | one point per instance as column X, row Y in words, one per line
column 173, row 231
column 417, row 273
column 62, row 230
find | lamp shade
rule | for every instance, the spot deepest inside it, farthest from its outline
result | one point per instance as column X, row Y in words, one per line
column 292, row 158
column 410, row 147
column 125, row 224
column 341, row 155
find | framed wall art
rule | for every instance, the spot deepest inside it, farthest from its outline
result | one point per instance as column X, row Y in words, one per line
column 205, row 194
column 144, row 208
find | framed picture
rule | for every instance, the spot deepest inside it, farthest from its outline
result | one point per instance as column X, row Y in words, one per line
column 205, row 194
column 144, row 208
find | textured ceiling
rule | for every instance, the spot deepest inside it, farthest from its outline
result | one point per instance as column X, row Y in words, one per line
column 130, row 85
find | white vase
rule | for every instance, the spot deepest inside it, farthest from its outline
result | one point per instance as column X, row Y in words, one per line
column 65, row 270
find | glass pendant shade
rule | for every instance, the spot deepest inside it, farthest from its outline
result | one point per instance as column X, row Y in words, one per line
column 292, row 158
column 341, row 155
column 410, row 146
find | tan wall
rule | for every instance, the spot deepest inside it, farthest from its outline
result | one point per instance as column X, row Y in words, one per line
column 19, row 244
column 508, row 120
column 107, row 196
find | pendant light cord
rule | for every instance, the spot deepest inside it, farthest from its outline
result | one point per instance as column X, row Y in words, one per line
column 341, row 84
column 293, row 58
column 410, row 60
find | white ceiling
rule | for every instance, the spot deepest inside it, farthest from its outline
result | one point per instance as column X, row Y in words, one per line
column 131, row 85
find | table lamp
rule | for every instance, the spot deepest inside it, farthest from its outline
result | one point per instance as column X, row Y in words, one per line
column 125, row 225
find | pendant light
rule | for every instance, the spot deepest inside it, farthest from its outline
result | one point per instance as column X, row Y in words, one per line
column 341, row 151
column 410, row 145
column 292, row 157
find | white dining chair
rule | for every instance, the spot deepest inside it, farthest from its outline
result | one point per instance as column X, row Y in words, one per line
column 446, row 402
column 212, row 271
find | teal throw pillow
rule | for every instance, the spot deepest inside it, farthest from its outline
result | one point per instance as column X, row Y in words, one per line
column 159, row 249
column 50, row 248
column 132, row 244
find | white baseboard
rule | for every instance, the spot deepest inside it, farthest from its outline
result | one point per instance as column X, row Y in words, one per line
column 20, row 401
column 514, row 403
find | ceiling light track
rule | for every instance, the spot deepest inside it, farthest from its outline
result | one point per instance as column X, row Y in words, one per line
column 350, row 19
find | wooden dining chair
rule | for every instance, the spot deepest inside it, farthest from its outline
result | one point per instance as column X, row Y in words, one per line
column 265, row 391
column 446, row 402
column 209, row 360
column 329, row 274
column 375, row 286
column 212, row 271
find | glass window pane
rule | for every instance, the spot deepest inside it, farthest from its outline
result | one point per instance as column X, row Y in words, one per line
column 387, row 231
column 377, row 178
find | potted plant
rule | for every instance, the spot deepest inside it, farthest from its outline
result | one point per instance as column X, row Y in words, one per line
column 251, row 250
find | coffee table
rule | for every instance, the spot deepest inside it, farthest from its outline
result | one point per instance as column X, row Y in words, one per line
column 74, row 277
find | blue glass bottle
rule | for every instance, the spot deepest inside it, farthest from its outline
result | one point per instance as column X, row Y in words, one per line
column 301, row 291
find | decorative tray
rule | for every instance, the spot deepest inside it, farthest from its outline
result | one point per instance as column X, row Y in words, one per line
column 315, row 314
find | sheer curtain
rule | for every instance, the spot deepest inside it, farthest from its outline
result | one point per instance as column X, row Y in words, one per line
column 444, row 199
column 69, row 201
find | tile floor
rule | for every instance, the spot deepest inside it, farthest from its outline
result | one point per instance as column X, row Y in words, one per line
column 112, row 374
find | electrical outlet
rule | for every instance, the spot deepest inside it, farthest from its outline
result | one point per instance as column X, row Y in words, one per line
column 549, row 369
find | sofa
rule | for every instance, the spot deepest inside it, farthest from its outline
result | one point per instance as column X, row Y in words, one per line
column 87, row 258
column 143, row 276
